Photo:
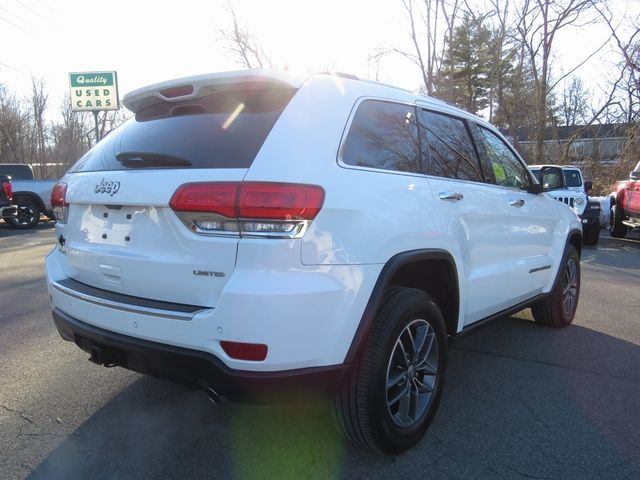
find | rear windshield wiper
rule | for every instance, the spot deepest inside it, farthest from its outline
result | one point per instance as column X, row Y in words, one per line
column 150, row 160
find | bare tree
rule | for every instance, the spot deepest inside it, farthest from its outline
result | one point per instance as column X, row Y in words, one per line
column 109, row 120
column 427, row 40
column 539, row 23
column 69, row 140
column 14, row 128
column 39, row 105
column 629, row 50
column 243, row 45
column 574, row 104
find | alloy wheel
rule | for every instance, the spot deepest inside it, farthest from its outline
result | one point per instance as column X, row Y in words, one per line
column 412, row 373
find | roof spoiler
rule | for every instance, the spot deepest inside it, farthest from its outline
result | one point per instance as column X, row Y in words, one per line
column 200, row 85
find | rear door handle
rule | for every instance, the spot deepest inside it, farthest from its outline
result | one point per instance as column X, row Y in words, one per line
column 517, row 203
column 451, row 196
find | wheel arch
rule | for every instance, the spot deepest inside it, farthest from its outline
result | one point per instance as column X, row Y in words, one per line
column 407, row 269
column 574, row 238
column 32, row 196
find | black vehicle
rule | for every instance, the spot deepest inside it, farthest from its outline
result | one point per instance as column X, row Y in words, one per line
column 7, row 210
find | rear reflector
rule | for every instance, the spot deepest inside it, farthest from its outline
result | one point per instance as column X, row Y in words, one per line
column 255, row 352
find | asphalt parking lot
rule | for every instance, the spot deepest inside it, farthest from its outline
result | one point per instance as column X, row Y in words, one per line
column 521, row 401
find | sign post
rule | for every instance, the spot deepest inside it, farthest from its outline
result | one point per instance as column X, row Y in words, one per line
column 94, row 92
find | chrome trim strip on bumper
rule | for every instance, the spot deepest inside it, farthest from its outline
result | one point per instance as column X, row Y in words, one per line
column 172, row 315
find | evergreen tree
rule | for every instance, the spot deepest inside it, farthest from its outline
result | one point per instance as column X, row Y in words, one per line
column 464, row 79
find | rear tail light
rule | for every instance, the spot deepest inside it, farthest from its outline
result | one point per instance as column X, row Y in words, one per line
column 281, row 210
column 59, row 202
column 8, row 190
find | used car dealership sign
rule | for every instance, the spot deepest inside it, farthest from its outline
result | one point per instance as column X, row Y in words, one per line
column 94, row 91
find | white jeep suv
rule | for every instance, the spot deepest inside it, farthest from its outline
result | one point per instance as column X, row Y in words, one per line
column 565, row 184
column 260, row 234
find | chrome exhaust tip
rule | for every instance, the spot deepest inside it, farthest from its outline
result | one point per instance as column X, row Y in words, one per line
column 213, row 395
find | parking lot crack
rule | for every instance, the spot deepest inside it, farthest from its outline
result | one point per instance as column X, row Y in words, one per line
column 532, row 412
column 550, row 364
column 22, row 414
column 521, row 473
column 43, row 434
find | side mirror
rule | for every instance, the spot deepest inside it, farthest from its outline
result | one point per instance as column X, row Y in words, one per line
column 588, row 186
column 634, row 175
column 535, row 188
column 551, row 178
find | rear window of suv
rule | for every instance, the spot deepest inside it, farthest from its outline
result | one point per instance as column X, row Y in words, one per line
column 221, row 130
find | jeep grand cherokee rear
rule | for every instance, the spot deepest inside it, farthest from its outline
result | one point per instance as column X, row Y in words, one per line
column 262, row 234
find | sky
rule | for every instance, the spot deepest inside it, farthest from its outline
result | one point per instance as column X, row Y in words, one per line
column 151, row 41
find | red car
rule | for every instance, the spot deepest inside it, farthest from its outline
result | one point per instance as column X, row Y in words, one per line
column 625, row 205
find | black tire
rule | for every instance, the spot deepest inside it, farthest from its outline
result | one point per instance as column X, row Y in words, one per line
column 28, row 213
column 365, row 408
column 559, row 307
column 617, row 229
column 591, row 236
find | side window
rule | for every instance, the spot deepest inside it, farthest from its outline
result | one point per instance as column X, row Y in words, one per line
column 383, row 135
column 572, row 178
column 451, row 152
column 506, row 169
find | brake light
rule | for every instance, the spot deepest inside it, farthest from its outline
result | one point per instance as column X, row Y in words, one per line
column 174, row 92
column 250, row 208
column 8, row 189
column 245, row 351
column 59, row 202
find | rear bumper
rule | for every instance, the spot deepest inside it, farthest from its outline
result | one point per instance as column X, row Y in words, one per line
column 306, row 316
column 8, row 211
column 193, row 366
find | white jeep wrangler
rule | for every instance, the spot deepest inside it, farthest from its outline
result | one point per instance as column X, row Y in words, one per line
column 261, row 234
column 568, row 187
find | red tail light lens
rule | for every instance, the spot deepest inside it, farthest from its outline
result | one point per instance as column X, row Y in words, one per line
column 59, row 201
column 58, row 195
column 8, row 190
column 252, row 208
column 220, row 197
column 245, row 351
column 280, row 201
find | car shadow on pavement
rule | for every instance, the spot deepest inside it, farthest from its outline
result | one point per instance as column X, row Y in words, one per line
column 7, row 230
column 606, row 253
column 521, row 401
